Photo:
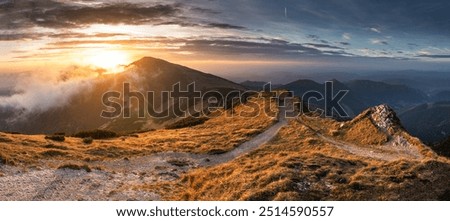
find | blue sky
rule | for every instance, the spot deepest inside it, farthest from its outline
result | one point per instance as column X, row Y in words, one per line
column 230, row 36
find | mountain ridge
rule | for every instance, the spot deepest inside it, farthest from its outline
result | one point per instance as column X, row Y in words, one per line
column 83, row 113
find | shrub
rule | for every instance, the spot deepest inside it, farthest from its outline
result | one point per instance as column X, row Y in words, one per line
column 88, row 140
column 76, row 167
column 96, row 134
column 58, row 138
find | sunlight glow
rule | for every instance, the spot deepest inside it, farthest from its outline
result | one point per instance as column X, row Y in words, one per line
column 112, row 61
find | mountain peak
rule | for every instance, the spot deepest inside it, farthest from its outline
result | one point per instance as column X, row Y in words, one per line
column 144, row 61
column 384, row 117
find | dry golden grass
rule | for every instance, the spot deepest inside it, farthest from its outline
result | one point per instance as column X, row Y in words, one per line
column 363, row 132
column 298, row 165
column 221, row 133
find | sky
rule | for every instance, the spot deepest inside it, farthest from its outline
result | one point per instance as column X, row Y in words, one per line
column 227, row 37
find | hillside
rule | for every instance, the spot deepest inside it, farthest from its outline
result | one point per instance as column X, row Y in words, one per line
column 305, row 158
column 83, row 113
column 321, row 159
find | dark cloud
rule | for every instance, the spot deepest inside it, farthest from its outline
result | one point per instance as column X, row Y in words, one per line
column 20, row 36
column 313, row 37
column 204, row 10
column 434, row 56
column 38, row 36
column 316, row 38
column 323, row 46
column 83, row 35
column 224, row 26
column 123, row 13
column 57, row 15
column 53, row 14
column 344, row 43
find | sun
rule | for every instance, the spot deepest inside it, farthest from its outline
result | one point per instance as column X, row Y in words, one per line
column 112, row 61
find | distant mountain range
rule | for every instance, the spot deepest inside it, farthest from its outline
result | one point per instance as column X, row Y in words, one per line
column 429, row 122
column 364, row 93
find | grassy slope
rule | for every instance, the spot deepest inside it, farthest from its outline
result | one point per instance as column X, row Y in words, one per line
column 300, row 166
column 221, row 133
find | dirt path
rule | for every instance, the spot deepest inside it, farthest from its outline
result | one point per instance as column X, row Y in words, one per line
column 387, row 152
column 395, row 149
column 111, row 182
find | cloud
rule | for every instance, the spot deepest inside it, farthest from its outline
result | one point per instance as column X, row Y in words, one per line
column 313, row 37
column 20, row 36
column 376, row 41
column 55, row 14
column 123, row 13
column 316, row 38
column 29, row 90
column 224, row 26
column 375, row 30
column 346, row 36
column 37, row 36
column 217, row 46
column 24, row 14
column 434, row 56
column 83, row 35
column 322, row 46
